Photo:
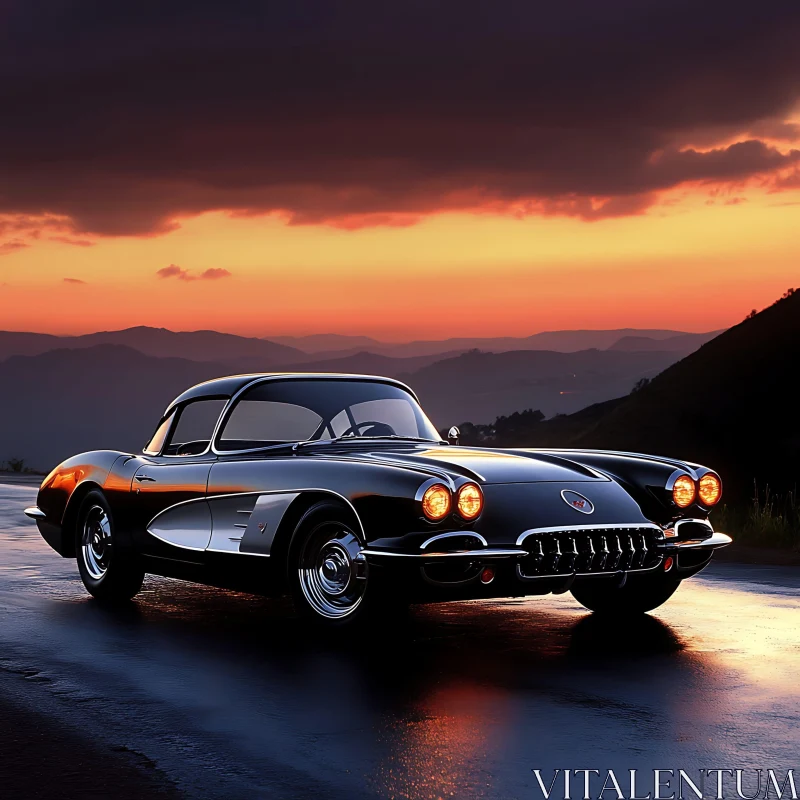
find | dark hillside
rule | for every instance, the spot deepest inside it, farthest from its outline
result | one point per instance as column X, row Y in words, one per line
column 732, row 405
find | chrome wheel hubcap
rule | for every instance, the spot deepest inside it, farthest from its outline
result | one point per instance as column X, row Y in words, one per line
column 96, row 542
column 331, row 578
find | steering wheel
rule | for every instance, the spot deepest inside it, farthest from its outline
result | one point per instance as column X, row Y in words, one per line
column 354, row 429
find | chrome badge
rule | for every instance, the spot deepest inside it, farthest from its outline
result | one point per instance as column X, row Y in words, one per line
column 577, row 501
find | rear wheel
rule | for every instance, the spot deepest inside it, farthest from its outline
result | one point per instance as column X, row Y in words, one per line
column 637, row 596
column 329, row 582
column 108, row 572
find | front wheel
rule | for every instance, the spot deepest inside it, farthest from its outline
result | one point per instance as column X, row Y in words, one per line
column 637, row 596
column 330, row 583
column 108, row 572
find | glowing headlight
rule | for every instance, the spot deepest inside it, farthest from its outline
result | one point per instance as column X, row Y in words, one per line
column 436, row 502
column 710, row 490
column 683, row 492
column 469, row 501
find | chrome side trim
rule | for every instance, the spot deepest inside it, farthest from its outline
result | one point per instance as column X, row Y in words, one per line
column 597, row 527
column 34, row 512
column 441, row 536
column 488, row 553
column 209, row 498
column 186, row 525
column 235, row 552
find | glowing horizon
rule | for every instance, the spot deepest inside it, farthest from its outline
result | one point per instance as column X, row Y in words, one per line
column 683, row 265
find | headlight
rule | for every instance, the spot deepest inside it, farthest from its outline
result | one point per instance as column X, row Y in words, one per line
column 469, row 501
column 710, row 490
column 436, row 502
column 683, row 492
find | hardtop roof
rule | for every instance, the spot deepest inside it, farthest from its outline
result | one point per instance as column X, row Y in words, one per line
column 232, row 384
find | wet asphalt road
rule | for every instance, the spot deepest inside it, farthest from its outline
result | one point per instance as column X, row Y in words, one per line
column 231, row 698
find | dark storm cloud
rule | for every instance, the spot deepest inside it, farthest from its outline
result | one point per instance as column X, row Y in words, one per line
column 122, row 116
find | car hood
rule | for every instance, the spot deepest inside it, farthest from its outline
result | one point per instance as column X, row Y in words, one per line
column 491, row 466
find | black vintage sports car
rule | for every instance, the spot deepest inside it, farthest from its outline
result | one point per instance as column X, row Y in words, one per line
column 338, row 490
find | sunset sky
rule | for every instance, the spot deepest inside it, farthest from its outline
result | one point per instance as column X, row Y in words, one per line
column 415, row 170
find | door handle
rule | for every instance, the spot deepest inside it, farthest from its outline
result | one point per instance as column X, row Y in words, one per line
column 143, row 478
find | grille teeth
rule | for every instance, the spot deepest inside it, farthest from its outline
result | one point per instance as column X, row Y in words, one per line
column 590, row 551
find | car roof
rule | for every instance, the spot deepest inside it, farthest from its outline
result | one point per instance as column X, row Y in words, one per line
column 233, row 384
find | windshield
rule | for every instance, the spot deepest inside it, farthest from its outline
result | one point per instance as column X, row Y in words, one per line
column 275, row 412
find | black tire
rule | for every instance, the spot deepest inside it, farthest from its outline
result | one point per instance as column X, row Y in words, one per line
column 639, row 594
column 328, row 588
column 109, row 572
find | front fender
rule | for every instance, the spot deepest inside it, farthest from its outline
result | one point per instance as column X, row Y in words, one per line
column 62, row 490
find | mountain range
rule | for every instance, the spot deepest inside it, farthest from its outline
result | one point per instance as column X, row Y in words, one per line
column 107, row 390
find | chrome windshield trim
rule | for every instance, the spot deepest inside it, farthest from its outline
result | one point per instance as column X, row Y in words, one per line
column 440, row 536
column 294, row 376
column 610, row 527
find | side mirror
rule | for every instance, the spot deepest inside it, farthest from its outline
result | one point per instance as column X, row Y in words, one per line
column 453, row 435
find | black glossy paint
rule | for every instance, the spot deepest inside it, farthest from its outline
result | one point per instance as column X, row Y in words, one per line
column 380, row 480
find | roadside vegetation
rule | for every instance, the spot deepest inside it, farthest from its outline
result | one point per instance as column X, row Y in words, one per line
column 769, row 520
column 17, row 465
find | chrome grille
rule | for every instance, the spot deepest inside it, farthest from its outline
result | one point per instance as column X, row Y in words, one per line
column 589, row 551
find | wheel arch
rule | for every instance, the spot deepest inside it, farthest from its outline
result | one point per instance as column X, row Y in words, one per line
column 70, row 520
column 294, row 513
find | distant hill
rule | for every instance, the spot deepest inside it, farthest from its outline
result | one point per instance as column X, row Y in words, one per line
column 557, row 341
column 362, row 363
column 267, row 354
column 65, row 402
column 159, row 342
column 479, row 386
column 685, row 343
column 329, row 342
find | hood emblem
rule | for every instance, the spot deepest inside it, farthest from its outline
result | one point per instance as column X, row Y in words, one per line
column 577, row 501
column 262, row 526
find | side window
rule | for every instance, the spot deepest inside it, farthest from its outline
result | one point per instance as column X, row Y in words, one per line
column 192, row 433
column 153, row 447
column 259, row 423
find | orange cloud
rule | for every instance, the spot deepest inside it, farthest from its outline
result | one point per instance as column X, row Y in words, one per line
column 12, row 246
column 211, row 274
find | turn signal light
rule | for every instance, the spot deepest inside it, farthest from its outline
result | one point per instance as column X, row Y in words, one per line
column 436, row 502
column 470, row 501
column 684, row 491
column 710, row 490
